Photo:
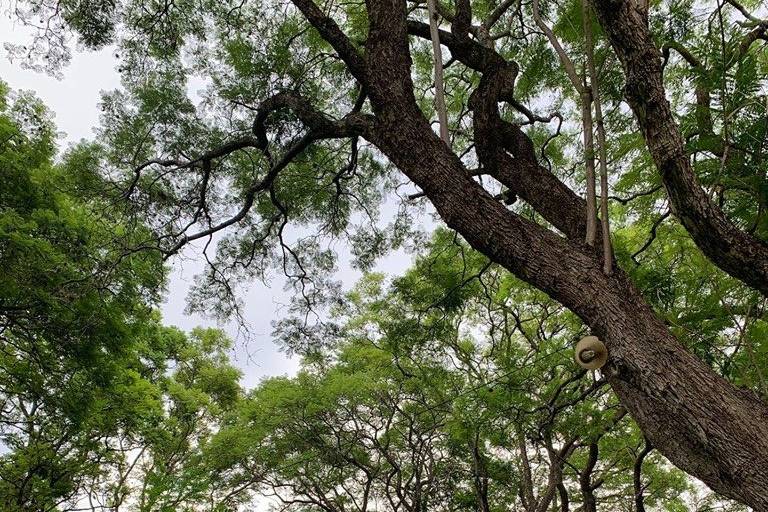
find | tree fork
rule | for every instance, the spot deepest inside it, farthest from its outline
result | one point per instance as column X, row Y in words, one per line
column 736, row 252
column 702, row 423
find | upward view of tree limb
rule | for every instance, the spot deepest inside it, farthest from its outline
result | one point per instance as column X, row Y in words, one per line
column 312, row 119
column 730, row 248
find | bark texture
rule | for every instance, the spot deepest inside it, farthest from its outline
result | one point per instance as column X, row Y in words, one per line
column 703, row 424
column 733, row 250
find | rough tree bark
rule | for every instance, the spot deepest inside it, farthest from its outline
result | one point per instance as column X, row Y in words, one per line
column 702, row 423
column 733, row 250
column 699, row 421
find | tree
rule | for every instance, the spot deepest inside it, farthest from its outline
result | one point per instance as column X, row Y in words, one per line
column 68, row 319
column 88, row 398
column 163, row 467
column 304, row 105
column 735, row 251
column 440, row 396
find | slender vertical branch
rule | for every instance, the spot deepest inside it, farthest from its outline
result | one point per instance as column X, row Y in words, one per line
column 565, row 505
column 735, row 251
column 585, row 480
column 587, row 96
column 601, row 142
column 589, row 162
column 638, row 477
column 526, row 488
column 442, row 114
column 586, row 116
column 566, row 62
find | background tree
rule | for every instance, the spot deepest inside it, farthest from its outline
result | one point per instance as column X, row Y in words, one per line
column 93, row 388
column 452, row 388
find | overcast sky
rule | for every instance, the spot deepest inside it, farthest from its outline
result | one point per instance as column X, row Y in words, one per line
column 74, row 100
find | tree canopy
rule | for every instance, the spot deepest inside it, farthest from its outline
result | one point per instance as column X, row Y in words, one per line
column 89, row 377
column 259, row 133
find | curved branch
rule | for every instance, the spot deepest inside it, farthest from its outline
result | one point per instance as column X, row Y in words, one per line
column 684, row 52
column 733, row 250
column 301, row 107
column 637, row 476
column 652, row 237
column 319, row 127
column 744, row 12
column 549, row 196
column 250, row 196
column 632, row 197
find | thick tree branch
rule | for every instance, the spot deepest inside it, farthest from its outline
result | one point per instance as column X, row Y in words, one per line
column 467, row 51
column 497, row 13
column 734, row 251
column 522, row 174
column 554, row 200
column 316, row 121
column 699, row 421
column 331, row 32
column 462, row 21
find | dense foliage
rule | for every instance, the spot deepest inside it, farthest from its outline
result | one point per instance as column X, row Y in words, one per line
column 243, row 126
column 90, row 380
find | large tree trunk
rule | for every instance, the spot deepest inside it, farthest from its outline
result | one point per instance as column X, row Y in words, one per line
column 703, row 424
column 733, row 250
column 699, row 421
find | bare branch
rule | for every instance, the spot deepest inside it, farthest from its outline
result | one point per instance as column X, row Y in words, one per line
column 437, row 56
column 568, row 66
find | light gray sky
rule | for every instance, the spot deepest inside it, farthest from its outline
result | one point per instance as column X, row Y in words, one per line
column 74, row 100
